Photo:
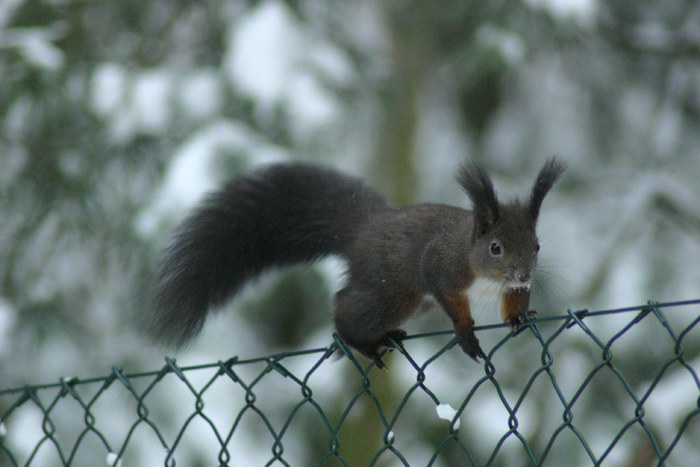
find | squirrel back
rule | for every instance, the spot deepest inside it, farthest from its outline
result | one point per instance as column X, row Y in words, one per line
column 279, row 215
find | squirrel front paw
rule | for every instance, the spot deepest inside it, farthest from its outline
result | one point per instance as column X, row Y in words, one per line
column 518, row 321
column 470, row 344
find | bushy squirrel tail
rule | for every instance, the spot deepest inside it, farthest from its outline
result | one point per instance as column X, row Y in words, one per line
column 280, row 215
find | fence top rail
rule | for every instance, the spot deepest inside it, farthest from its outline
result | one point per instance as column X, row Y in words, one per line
column 40, row 421
column 171, row 367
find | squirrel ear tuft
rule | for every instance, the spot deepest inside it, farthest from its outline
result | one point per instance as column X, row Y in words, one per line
column 549, row 174
column 479, row 188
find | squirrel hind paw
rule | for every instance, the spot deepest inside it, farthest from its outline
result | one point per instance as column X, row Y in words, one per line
column 392, row 339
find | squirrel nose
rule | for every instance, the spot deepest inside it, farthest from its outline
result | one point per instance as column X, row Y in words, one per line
column 513, row 274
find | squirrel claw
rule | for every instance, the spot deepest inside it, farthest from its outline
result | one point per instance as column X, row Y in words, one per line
column 379, row 363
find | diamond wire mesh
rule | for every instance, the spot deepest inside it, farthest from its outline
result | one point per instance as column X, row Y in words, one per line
column 326, row 405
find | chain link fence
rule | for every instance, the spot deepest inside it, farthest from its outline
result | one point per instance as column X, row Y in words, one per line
column 611, row 387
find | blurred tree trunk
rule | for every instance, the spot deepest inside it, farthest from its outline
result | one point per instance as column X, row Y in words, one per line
column 394, row 172
column 412, row 53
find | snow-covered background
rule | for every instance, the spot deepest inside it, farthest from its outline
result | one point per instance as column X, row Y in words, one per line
column 116, row 117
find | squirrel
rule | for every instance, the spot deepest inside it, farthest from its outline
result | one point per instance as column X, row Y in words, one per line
column 297, row 212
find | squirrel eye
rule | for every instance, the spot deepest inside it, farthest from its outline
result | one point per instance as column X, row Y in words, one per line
column 537, row 248
column 495, row 249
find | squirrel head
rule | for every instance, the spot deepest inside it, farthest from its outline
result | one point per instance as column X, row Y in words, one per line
column 504, row 239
